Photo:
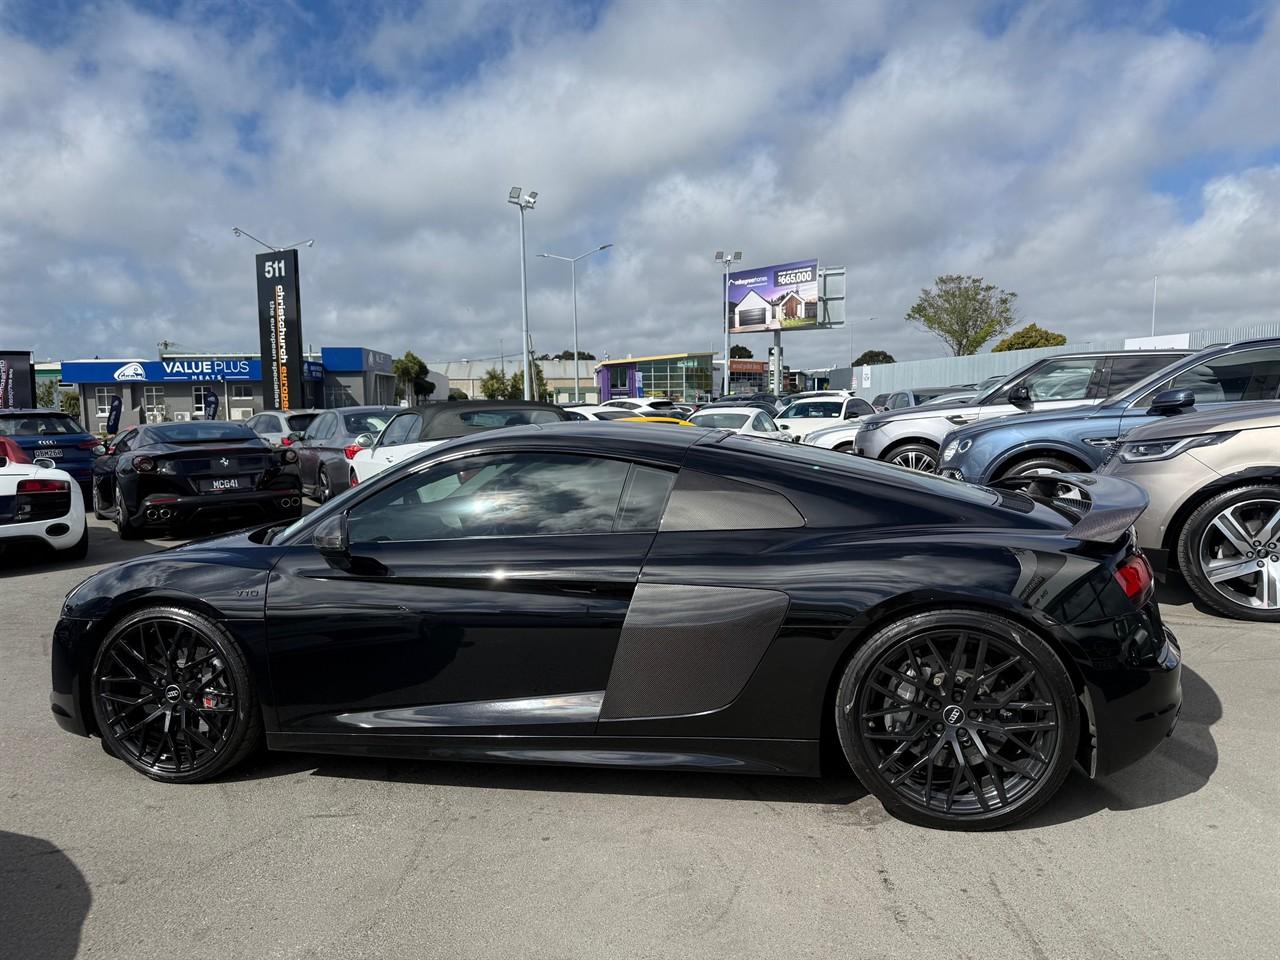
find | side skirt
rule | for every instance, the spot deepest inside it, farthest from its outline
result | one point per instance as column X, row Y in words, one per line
column 785, row 757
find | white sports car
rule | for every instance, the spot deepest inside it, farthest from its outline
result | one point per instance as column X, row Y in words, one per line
column 40, row 505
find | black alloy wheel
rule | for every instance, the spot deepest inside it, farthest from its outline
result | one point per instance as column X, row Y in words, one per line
column 172, row 696
column 126, row 528
column 958, row 719
column 324, row 489
column 100, row 509
column 914, row 456
column 1229, row 552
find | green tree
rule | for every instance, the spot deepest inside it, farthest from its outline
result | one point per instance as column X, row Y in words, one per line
column 495, row 385
column 1028, row 338
column 456, row 394
column 963, row 312
column 515, row 385
column 49, row 394
column 739, row 352
column 873, row 357
column 568, row 355
column 411, row 377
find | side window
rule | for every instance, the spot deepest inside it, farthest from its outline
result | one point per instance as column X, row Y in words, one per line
column 897, row 401
column 125, row 442
column 506, row 495
column 765, row 422
column 857, row 407
column 1062, row 379
column 1128, row 370
column 644, row 499
column 314, row 431
column 1248, row 375
column 402, row 429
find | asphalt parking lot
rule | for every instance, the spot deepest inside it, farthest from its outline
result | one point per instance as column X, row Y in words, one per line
column 299, row 856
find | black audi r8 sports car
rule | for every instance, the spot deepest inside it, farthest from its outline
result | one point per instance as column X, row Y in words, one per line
column 675, row 598
column 162, row 475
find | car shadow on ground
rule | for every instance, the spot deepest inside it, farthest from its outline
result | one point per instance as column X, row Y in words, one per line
column 1178, row 767
column 1174, row 592
column 46, row 899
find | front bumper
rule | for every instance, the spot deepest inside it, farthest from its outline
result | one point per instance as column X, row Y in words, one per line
column 66, row 696
column 161, row 509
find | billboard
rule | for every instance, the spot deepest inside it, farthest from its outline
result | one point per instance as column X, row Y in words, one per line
column 779, row 297
column 17, row 379
column 280, row 329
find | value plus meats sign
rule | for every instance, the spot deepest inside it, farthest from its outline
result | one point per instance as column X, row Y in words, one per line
column 280, row 329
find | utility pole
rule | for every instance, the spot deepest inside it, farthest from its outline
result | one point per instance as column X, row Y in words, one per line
column 1154, row 283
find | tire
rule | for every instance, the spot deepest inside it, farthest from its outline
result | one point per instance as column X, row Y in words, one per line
column 80, row 549
column 126, row 528
column 161, row 675
column 917, row 740
column 914, row 456
column 1235, row 532
column 1035, row 466
column 324, row 490
column 843, row 447
column 99, row 511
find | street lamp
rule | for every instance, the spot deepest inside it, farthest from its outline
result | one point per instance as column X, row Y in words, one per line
column 727, row 260
column 245, row 233
column 524, row 201
column 573, row 284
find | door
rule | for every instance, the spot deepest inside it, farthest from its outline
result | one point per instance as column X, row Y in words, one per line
column 394, row 442
column 312, row 446
column 1054, row 385
column 479, row 590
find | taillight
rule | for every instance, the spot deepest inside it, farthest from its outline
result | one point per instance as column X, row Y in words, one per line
column 144, row 464
column 286, row 442
column 88, row 444
column 1135, row 578
column 351, row 449
column 43, row 486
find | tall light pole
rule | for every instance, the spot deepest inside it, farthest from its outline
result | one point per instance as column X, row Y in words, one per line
column 524, row 201
column 573, row 285
column 1155, row 283
column 727, row 260
column 245, row 233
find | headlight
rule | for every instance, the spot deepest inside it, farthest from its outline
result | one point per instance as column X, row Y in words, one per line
column 954, row 447
column 873, row 425
column 1145, row 451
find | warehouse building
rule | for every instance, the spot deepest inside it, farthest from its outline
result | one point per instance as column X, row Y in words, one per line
column 178, row 386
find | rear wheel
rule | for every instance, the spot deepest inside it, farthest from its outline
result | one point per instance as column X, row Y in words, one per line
column 324, row 489
column 914, row 456
column 172, row 696
column 100, row 510
column 1229, row 552
column 127, row 529
column 958, row 719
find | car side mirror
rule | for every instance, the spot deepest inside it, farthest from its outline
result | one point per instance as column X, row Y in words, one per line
column 852, row 415
column 1019, row 395
column 1170, row 402
column 99, row 450
column 783, row 426
column 297, row 436
column 365, row 440
column 330, row 538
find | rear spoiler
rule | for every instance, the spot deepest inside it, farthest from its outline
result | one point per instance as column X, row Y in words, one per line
column 1102, row 509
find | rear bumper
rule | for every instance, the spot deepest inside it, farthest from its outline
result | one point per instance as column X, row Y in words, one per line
column 158, row 509
column 1133, row 707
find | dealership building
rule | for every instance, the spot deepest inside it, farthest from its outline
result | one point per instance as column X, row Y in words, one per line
column 178, row 386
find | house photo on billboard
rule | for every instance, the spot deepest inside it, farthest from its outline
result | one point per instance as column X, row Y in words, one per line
column 780, row 297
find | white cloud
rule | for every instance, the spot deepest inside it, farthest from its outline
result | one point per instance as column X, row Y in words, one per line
column 903, row 142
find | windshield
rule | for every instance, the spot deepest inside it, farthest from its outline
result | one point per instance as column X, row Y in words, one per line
column 38, row 425
column 200, row 430
column 358, row 423
column 725, row 421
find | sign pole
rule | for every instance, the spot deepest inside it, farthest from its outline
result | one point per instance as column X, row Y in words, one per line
column 724, row 387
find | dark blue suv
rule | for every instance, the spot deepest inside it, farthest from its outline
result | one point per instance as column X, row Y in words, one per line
column 1081, row 438
column 55, row 435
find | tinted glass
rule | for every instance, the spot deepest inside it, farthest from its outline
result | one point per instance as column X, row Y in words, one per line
column 1061, row 379
column 858, row 407
column 38, row 425
column 1126, row 371
column 402, row 429
column 644, row 499
column 299, row 422
column 897, row 401
column 197, row 431
column 492, row 419
column 612, row 414
column 355, row 424
column 726, row 421
column 765, row 422
column 1248, row 375
column 513, row 495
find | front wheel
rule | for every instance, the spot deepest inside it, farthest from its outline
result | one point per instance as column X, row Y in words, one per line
column 172, row 696
column 958, row 719
column 1229, row 552
column 1039, row 467
column 324, row 490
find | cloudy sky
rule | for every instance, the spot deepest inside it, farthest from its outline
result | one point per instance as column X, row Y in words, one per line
column 1066, row 151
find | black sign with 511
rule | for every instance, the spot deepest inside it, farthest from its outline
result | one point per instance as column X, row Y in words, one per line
column 280, row 329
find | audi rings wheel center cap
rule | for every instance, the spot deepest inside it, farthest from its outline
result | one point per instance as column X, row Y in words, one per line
column 954, row 715
column 173, row 693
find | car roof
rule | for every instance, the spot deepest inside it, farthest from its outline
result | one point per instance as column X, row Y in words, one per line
column 664, row 442
column 39, row 411
column 443, row 420
column 726, row 409
column 290, row 413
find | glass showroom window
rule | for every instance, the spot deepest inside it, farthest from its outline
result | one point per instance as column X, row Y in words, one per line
column 152, row 398
column 102, row 400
